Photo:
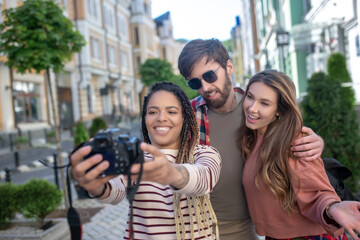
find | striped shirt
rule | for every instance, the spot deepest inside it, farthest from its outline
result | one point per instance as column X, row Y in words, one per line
column 153, row 209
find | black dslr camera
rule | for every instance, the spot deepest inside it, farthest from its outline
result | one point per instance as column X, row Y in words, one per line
column 119, row 149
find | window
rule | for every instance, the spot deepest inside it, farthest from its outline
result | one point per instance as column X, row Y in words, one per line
column 164, row 52
column 95, row 48
column 27, row 102
column 89, row 94
column 91, row 8
column 357, row 44
column 111, row 55
column 138, row 64
column 136, row 36
column 124, row 60
column 109, row 15
column 122, row 26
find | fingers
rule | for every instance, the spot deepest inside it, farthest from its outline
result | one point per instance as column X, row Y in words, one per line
column 306, row 130
column 151, row 149
column 77, row 156
column 309, row 155
column 308, row 147
column 147, row 167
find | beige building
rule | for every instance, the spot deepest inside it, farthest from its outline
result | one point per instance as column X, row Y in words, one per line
column 102, row 80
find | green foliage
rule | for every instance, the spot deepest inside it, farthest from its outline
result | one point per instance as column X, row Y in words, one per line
column 181, row 82
column 21, row 139
column 159, row 70
column 8, row 203
column 227, row 45
column 155, row 70
column 38, row 198
column 80, row 134
column 97, row 124
column 38, row 36
column 50, row 134
column 323, row 112
column 336, row 67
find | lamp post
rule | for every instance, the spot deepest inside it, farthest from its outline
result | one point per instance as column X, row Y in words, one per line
column 282, row 40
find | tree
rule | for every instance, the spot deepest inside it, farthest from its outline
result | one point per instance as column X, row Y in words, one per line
column 155, row 70
column 159, row 70
column 37, row 36
column 337, row 70
column 80, row 134
column 322, row 111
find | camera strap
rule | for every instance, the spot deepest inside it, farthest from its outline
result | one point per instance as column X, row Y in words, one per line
column 131, row 191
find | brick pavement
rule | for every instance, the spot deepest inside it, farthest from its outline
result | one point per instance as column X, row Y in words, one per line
column 108, row 224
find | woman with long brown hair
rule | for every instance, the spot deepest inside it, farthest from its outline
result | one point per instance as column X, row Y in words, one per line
column 288, row 198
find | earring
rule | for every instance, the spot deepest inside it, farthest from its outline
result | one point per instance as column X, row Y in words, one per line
column 277, row 117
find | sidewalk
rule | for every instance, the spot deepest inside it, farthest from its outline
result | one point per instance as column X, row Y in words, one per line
column 107, row 224
column 109, row 221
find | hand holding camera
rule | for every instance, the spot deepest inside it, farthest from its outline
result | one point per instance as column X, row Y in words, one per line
column 110, row 153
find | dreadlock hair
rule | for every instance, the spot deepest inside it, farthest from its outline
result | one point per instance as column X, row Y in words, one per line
column 199, row 206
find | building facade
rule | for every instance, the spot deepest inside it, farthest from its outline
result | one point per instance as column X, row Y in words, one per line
column 103, row 79
column 297, row 37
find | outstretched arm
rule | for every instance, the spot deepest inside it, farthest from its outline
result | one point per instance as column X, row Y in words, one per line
column 193, row 179
column 309, row 147
column 161, row 170
column 346, row 214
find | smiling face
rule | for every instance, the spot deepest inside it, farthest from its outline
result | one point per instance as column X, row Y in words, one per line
column 218, row 95
column 260, row 107
column 164, row 120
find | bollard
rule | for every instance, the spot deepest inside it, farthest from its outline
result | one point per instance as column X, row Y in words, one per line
column 11, row 142
column 16, row 159
column 30, row 140
column 55, row 170
column 7, row 175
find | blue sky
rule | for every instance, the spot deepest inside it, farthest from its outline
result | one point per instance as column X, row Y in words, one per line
column 199, row 18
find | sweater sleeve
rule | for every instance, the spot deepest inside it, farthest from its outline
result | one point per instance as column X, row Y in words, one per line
column 204, row 173
column 314, row 192
column 118, row 191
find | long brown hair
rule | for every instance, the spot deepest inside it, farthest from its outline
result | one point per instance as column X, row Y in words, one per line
column 273, row 167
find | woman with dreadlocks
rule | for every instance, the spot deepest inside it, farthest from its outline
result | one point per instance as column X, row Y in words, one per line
column 172, row 201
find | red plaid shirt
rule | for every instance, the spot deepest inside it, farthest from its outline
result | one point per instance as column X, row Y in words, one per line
column 320, row 237
column 201, row 108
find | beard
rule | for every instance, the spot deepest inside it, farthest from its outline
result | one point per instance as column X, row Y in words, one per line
column 224, row 94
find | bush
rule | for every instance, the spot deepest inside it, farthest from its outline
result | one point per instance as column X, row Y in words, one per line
column 38, row 198
column 80, row 134
column 323, row 111
column 50, row 134
column 8, row 203
column 21, row 140
column 97, row 124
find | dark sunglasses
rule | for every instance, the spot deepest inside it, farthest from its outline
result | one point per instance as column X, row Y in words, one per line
column 209, row 77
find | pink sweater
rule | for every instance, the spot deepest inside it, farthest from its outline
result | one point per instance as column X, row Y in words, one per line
column 153, row 207
column 313, row 195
